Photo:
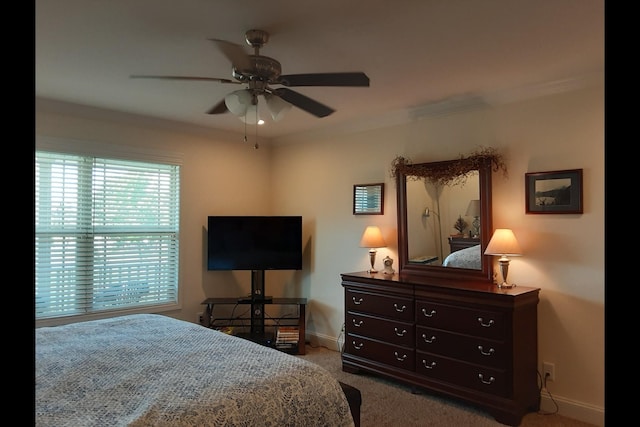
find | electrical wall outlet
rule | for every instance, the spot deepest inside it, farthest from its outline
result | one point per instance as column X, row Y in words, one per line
column 548, row 371
column 199, row 317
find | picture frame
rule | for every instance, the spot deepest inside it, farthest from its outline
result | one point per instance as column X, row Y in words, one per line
column 554, row 192
column 368, row 199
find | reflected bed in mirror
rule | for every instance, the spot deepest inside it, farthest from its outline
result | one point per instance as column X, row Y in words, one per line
column 433, row 212
column 444, row 224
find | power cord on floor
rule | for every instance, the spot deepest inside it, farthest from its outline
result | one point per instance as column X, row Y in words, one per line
column 543, row 384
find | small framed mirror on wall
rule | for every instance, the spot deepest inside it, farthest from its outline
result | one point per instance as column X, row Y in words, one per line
column 368, row 199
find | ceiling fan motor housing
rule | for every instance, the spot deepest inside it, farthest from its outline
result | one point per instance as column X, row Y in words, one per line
column 256, row 38
column 262, row 68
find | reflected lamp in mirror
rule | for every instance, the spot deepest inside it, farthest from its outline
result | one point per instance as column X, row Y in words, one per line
column 372, row 239
column 473, row 210
column 503, row 243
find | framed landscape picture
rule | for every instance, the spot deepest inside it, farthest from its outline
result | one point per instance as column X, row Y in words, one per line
column 554, row 192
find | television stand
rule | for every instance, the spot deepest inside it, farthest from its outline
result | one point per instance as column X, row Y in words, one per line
column 257, row 332
column 249, row 299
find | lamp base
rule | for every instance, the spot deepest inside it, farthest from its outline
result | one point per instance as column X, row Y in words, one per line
column 372, row 259
column 505, row 285
column 504, row 269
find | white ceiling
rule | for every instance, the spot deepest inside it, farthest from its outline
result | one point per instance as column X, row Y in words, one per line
column 420, row 55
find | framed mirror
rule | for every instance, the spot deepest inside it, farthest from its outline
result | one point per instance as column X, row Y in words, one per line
column 368, row 199
column 444, row 225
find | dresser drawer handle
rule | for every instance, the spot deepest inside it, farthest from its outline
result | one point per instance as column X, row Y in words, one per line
column 428, row 340
column 400, row 334
column 424, row 311
column 356, row 301
column 485, row 325
column 486, row 353
column 358, row 323
column 400, row 358
column 399, row 309
column 357, row 346
column 429, row 366
column 491, row 379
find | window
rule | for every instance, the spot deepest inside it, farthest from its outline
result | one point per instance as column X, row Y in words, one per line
column 106, row 234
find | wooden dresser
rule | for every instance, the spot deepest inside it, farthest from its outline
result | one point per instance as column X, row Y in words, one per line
column 462, row 339
column 457, row 243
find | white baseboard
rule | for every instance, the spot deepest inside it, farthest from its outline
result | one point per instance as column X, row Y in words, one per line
column 572, row 409
column 566, row 407
column 320, row 340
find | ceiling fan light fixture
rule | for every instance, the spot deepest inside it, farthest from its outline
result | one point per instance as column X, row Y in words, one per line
column 238, row 102
column 278, row 107
column 252, row 116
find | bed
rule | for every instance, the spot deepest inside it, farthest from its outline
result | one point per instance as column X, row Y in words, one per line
column 470, row 257
column 154, row 370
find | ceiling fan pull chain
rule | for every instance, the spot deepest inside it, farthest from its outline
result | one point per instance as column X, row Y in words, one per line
column 255, row 144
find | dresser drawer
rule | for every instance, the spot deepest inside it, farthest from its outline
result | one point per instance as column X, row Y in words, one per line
column 465, row 347
column 383, row 305
column 481, row 323
column 481, row 378
column 393, row 355
column 391, row 331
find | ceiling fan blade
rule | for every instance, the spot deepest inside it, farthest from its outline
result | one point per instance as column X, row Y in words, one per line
column 325, row 79
column 235, row 53
column 219, row 108
column 303, row 102
column 210, row 79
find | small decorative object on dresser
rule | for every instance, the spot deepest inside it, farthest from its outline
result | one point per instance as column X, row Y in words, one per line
column 460, row 225
column 388, row 263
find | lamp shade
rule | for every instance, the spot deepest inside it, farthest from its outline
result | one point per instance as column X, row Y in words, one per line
column 238, row 102
column 503, row 242
column 277, row 106
column 252, row 115
column 474, row 208
column 372, row 238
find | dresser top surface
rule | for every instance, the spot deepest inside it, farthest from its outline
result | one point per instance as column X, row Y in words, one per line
column 464, row 285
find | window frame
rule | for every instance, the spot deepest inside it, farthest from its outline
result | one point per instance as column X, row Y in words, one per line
column 112, row 152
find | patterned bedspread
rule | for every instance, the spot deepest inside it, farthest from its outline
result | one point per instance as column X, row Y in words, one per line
column 470, row 257
column 153, row 370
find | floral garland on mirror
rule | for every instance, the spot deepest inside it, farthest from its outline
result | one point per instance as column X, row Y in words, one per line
column 454, row 172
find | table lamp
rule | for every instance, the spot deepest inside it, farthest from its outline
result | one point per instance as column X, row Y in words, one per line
column 372, row 238
column 503, row 243
column 473, row 209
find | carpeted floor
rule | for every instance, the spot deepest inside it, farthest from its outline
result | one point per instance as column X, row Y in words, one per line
column 389, row 404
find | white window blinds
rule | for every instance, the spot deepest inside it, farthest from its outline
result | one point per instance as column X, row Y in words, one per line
column 106, row 234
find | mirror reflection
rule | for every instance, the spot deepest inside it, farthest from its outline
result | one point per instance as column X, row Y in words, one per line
column 443, row 220
column 444, row 216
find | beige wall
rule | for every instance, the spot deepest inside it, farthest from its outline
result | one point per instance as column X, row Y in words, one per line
column 563, row 254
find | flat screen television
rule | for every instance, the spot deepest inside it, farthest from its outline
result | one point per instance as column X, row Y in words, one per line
column 254, row 243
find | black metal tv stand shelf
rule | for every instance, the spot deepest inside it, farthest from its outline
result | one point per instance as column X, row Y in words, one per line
column 257, row 332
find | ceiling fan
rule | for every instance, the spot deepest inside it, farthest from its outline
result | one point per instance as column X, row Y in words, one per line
column 258, row 73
